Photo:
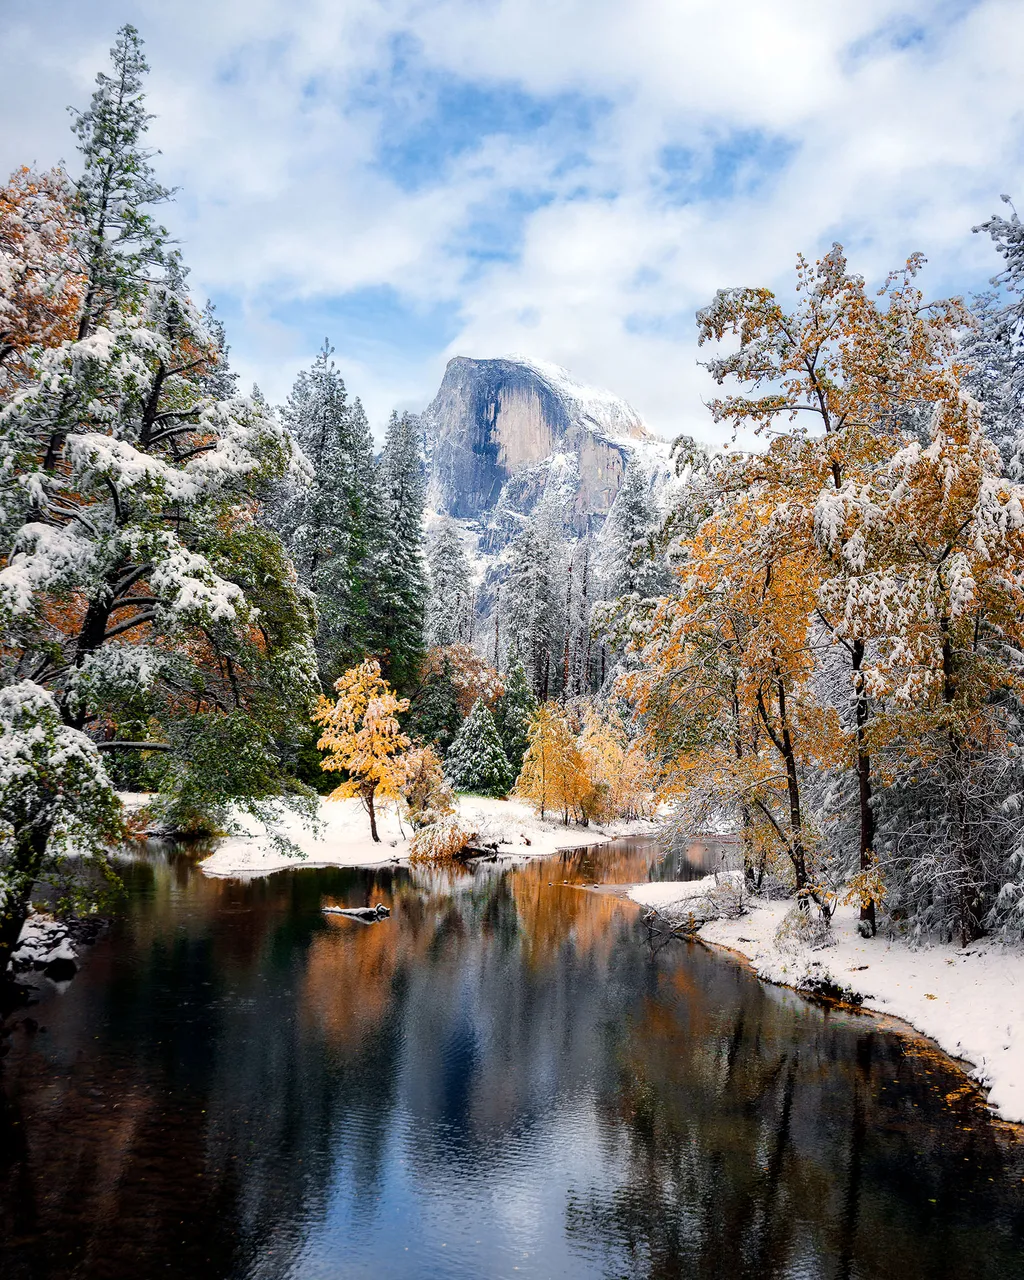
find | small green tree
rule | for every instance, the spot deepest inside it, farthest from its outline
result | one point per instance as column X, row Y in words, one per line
column 477, row 761
column 513, row 713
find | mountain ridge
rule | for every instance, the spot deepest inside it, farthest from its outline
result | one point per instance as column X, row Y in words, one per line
column 501, row 432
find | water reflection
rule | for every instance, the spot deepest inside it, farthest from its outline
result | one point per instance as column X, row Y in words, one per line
column 501, row 1079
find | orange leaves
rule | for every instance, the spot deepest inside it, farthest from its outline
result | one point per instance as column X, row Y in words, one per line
column 472, row 677
column 554, row 774
column 838, row 356
column 361, row 731
column 40, row 278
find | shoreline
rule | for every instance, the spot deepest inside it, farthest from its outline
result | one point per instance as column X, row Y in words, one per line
column 345, row 838
column 966, row 1002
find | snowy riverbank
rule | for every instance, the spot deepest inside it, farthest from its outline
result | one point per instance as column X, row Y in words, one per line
column 969, row 1001
column 344, row 839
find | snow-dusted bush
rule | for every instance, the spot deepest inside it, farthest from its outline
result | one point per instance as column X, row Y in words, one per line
column 439, row 841
column 803, row 926
column 426, row 795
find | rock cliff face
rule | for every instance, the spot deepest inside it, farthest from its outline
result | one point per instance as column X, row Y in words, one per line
column 500, row 433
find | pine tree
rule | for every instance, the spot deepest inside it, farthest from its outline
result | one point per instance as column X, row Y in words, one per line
column 436, row 716
column 396, row 578
column 513, row 714
column 317, row 514
column 449, row 610
column 121, row 246
column 365, row 530
column 145, row 616
column 476, row 760
column 632, row 563
column 532, row 606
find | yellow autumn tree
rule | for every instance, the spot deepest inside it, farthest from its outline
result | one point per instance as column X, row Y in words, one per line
column 619, row 774
column 554, row 774
column 835, row 380
column 361, row 731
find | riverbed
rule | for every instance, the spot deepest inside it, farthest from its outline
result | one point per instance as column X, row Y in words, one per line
column 509, row 1077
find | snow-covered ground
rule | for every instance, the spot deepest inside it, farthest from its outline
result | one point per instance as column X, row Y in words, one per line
column 969, row 1001
column 344, row 840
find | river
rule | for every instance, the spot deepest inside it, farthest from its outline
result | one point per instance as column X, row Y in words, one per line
column 510, row 1077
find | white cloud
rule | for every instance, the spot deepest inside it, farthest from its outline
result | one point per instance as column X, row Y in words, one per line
column 902, row 124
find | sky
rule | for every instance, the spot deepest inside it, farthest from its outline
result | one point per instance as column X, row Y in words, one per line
column 566, row 179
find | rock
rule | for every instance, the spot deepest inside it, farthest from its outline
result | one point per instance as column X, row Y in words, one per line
column 61, row 969
column 498, row 432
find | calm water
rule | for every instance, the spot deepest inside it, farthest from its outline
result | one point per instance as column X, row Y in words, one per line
column 508, row 1078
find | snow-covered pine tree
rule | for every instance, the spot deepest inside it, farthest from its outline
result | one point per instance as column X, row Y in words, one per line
column 513, row 714
column 532, row 606
column 449, row 610
column 367, row 519
column 317, row 518
column 476, row 760
column 396, row 578
column 122, row 247
column 994, row 349
column 632, row 563
column 146, row 617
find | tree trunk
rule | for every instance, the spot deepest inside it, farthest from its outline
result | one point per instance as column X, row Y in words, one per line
column 368, row 800
column 968, row 897
column 796, row 851
column 750, row 875
column 867, row 814
column 565, row 639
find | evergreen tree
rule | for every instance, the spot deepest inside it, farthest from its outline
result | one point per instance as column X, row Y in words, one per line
column 365, row 529
column 631, row 560
column 318, row 515
column 513, row 714
column 435, row 710
column 145, row 616
column 122, row 248
column 449, row 610
column 220, row 381
column 532, row 606
column 396, row 578
column 476, row 760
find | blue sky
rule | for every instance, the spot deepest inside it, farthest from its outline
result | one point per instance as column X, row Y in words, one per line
column 566, row 178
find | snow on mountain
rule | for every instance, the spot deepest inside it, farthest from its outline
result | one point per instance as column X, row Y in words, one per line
column 501, row 434
column 601, row 410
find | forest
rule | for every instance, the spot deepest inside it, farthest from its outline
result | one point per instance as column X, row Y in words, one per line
column 812, row 639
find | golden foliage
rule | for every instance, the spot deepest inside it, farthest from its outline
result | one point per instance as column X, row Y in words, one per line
column 361, row 731
column 426, row 794
column 554, row 775
column 440, row 840
column 620, row 776
column 727, row 690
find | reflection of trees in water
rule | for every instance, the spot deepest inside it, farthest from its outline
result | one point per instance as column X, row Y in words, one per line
column 196, row 1137
column 255, row 1061
column 754, row 1143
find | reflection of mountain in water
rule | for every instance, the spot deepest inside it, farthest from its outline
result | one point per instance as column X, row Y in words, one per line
column 502, row 1075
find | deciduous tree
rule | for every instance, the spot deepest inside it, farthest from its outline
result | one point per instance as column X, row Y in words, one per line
column 362, row 734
